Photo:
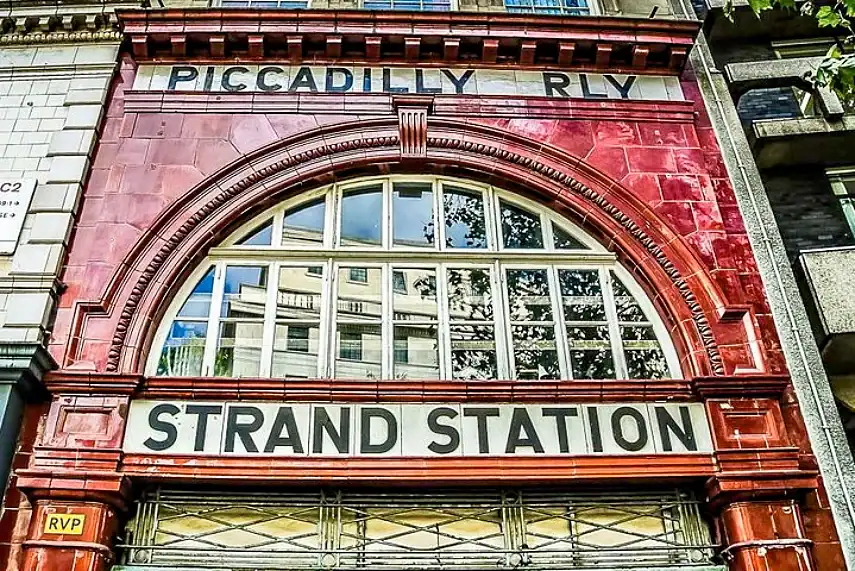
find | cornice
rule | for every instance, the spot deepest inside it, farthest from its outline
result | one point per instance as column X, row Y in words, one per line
column 66, row 21
column 619, row 45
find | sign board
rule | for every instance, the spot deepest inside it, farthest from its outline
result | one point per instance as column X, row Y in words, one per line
column 65, row 524
column 439, row 81
column 15, row 197
column 415, row 430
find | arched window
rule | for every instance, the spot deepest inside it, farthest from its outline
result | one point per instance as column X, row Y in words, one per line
column 412, row 277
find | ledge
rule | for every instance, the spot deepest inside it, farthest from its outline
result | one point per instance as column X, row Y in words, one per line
column 802, row 141
column 619, row 45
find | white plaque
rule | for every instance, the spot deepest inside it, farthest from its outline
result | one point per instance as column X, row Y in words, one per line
column 15, row 197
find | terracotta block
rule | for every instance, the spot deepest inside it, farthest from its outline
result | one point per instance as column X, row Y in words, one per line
column 645, row 159
column 645, row 186
column 616, row 132
column 679, row 216
column 610, row 160
column 680, row 187
column 658, row 134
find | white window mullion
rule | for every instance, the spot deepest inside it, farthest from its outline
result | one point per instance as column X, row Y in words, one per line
column 278, row 226
column 214, row 321
column 558, row 321
column 502, row 319
column 269, row 328
column 548, row 238
column 326, row 325
column 386, row 219
column 614, row 328
column 387, row 339
column 492, row 220
column 443, row 323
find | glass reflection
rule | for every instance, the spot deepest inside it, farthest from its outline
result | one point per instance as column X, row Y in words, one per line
column 473, row 352
column 261, row 236
column 416, row 352
column 297, row 332
column 644, row 356
column 519, row 228
column 305, row 223
column 183, row 349
column 358, row 351
column 412, row 215
column 464, row 219
column 359, row 299
column 528, row 295
column 470, row 294
column 198, row 303
column 416, row 299
column 361, row 213
column 535, row 352
column 564, row 241
column 242, row 322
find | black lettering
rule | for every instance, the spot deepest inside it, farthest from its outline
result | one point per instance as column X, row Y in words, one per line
column 52, row 524
column 556, row 82
column 64, row 523
column 685, row 434
column 366, row 80
column 202, row 411
column 304, row 79
column 443, row 429
column 387, row 83
column 331, row 87
column 560, row 415
column 261, row 79
column 181, row 73
column 483, row 436
column 340, row 436
column 169, row 429
column 521, row 422
column 284, row 420
column 594, row 424
column 209, row 78
column 365, row 445
column 586, row 89
column 617, row 429
column 242, row 430
column 226, row 82
column 420, row 84
column 76, row 521
column 460, row 82
column 624, row 88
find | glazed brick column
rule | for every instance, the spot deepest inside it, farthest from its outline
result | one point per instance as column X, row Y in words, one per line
column 765, row 535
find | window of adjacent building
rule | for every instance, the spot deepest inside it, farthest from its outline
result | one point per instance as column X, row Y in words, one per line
column 263, row 4
column 413, row 277
column 409, row 5
column 425, row 529
column 843, row 185
column 547, row 7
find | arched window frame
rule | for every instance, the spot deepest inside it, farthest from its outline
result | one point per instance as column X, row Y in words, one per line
column 596, row 257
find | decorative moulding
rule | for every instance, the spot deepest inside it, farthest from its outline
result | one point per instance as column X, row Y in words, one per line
column 48, row 22
column 618, row 45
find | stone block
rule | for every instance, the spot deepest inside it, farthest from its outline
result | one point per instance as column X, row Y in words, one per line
column 60, row 55
column 50, row 227
column 97, row 53
column 37, row 259
column 83, row 117
column 68, row 169
column 28, row 309
column 71, row 142
column 86, row 96
column 55, row 198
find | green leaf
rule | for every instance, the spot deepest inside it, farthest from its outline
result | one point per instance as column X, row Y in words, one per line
column 827, row 17
column 760, row 5
column 850, row 7
column 790, row 4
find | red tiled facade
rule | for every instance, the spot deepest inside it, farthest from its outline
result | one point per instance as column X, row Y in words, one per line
column 170, row 179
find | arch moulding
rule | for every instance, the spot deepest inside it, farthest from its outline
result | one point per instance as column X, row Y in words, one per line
column 677, row 283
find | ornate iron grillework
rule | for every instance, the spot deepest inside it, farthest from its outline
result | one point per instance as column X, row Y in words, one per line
column 425, row 529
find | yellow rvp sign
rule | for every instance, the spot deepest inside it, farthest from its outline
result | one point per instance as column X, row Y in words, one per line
column 66, row 524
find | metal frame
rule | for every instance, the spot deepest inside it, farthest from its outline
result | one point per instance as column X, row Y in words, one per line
column 388, row 256
column 471, row 530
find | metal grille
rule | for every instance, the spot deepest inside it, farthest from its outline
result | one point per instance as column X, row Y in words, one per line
column 449, row 529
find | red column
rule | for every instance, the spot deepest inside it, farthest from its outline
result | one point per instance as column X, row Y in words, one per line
column 765, row 535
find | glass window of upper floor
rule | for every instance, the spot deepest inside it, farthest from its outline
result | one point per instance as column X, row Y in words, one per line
column 544, row 7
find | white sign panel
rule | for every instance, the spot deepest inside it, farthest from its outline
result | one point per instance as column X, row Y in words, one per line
column 15, row 197
column 440, row 81
column 415, row 430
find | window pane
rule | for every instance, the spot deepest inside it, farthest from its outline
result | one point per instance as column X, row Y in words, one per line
column 581, row 295
column 295, row 350
column 627, row 308
column 299, row 295
column 261, row 236
column 361, row 212
column 473, row 352
column 198, row 303
column 183, row 349
column 412, row 212
column 528, row 295
column 305, row 224
column 359, row 351
column 535, row 352
column 644, row 356
column 464, row 219
column 359, row 299
column 244, row 292
column 418, row 301
column 564, row 241
column 590, row 352
column 470, row 294
column 239, row 349
column 399, row 281
column 416, row 352
column 519, row 228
